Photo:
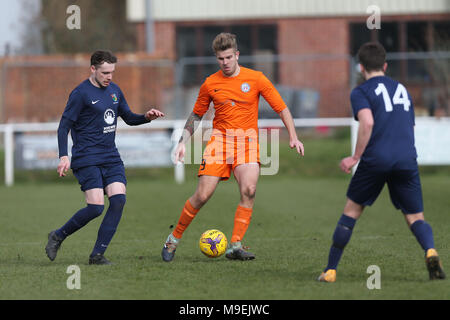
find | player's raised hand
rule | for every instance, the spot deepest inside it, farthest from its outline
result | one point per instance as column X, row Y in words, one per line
column 298, row 145
column 63, row 166
column 348, row 163
column 153, row 114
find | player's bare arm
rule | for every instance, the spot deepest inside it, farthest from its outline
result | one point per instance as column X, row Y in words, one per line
column 366, row 122
column 189, row 127
column 288, row 121
column 188, row 131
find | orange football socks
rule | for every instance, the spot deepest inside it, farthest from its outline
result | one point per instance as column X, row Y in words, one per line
column 241, row 222
column 187, row 214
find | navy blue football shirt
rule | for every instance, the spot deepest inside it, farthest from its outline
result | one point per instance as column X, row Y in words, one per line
column 91, row 115
column 392, row 139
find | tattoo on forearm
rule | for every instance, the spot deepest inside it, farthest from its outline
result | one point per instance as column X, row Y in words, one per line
column 189, row 127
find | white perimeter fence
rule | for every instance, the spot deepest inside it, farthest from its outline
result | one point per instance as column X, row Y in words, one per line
column 432, row 137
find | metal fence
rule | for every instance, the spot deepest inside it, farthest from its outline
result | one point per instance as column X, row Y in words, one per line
column 318, row 85
column 315, row 85
column 306, row 87
column 36, row 89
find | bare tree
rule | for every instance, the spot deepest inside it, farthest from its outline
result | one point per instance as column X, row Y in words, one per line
column 28, row 28
column 103, row 25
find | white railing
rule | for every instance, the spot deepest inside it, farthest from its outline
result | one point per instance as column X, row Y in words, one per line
column 432, row 137
column 10, row 129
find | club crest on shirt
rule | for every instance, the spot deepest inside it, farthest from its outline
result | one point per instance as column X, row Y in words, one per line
column 245, row 87
column 109, row 116
column 114, row 98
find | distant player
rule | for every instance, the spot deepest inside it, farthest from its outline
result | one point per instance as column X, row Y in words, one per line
column 233, row 147
column 91, row 115
column 386, row 154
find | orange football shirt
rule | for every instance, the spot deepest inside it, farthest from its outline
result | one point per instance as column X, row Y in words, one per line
column 236, row 99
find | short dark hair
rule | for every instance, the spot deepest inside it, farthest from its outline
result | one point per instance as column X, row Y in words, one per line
column 372, row 56
column 101, row 56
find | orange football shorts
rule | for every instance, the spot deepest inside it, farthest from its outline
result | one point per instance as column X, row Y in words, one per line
column 225, row 151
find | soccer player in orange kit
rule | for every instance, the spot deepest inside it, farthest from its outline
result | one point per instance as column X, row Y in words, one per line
column 234, row 91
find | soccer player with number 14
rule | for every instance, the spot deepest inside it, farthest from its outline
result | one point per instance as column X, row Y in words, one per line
column 386, row 153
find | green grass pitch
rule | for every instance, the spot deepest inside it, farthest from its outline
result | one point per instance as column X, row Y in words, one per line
column 290, row 233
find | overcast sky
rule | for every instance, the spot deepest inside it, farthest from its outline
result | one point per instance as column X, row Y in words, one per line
column 12, row 16
column 9, row 23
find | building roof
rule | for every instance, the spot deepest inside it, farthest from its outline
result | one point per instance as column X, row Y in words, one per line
column 195, row 10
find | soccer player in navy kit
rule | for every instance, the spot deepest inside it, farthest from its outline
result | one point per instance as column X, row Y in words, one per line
column 386, row 153
column 91, row 117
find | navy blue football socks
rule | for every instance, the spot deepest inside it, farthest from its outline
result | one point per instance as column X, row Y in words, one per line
column 341, row 237
column 79, row 220
column 424, row 234
column 109, row 224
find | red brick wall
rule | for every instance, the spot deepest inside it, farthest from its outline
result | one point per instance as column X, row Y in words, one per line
column 312, row 38
column 36, row 89
column 301, row 37
column 39, row 93
column 164, row 41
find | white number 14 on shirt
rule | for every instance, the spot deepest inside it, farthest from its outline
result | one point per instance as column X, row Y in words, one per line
column 400, row 97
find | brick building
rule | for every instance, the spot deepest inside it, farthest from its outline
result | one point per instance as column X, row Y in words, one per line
column 315, row 39
column 300, row 45
column 36, row 88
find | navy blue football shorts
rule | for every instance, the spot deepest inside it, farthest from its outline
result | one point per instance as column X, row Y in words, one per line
column 100, row 176
column 403, row 183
